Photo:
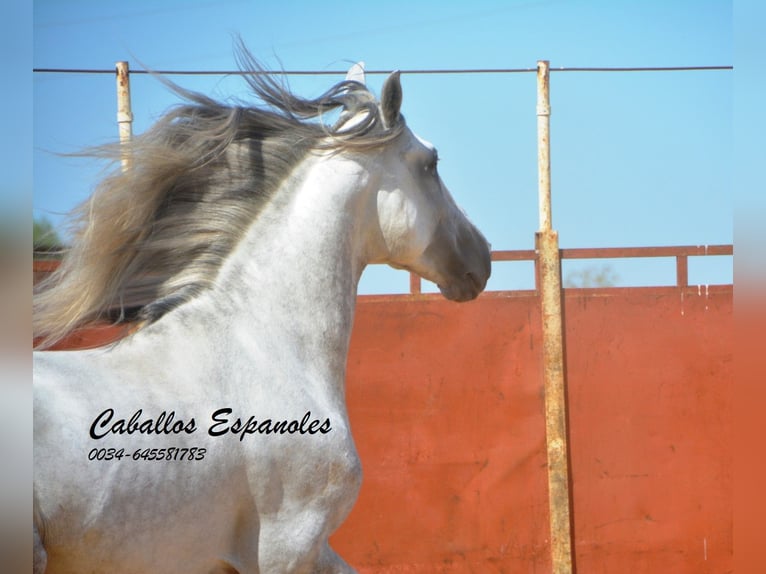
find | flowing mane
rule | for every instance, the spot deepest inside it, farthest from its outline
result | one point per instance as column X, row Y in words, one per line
column 154, row 236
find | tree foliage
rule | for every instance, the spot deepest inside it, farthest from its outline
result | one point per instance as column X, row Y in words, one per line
column 44, row 236
column 603, row 276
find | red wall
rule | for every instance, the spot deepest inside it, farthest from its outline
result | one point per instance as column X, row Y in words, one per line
column 446, row 405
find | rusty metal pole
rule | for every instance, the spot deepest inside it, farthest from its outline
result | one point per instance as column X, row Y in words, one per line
column 124, row 112
column 549, row 285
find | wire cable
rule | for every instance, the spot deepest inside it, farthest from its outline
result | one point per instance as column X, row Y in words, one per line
column 373, row 72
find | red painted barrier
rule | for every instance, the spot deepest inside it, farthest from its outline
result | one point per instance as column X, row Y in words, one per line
column 446, row 408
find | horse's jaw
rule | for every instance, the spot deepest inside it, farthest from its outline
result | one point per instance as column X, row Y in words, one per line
column 460, row 267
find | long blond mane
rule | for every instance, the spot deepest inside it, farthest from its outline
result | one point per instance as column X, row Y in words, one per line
column 154, row 236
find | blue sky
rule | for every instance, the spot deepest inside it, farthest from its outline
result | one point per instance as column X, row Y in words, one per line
column 637, row 158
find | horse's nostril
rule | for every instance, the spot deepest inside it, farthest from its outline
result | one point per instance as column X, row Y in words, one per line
column 476, row 282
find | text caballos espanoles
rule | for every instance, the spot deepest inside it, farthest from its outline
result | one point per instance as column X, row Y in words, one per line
column 222, row 423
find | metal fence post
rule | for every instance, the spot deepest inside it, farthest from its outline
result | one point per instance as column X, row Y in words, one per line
column 124, row 112
column 549, row 286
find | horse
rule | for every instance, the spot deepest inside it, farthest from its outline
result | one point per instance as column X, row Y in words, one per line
column 214, row 437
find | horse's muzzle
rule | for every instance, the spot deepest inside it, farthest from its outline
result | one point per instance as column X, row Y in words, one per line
column 470, row 278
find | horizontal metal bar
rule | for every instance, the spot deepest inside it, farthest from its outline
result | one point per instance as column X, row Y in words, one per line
column 619, row 252
column 576, row 253
column 622, row 252
column 45, row 265
column 518, row 255
column 680, row 252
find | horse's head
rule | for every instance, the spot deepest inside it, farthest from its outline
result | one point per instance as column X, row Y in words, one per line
column 421, row 228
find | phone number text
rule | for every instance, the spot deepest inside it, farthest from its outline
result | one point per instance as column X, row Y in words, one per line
column 148, row 454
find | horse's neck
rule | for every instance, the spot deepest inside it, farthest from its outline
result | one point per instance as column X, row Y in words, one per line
column 290, row 284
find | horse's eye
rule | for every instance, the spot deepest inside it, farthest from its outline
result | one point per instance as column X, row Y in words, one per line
column 432, row 163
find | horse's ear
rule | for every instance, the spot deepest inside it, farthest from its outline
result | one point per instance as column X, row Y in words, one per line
column 391, row 99
column 356, row 73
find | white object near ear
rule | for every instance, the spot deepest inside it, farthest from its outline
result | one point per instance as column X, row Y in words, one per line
column 347, row 119
column 356, row 73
